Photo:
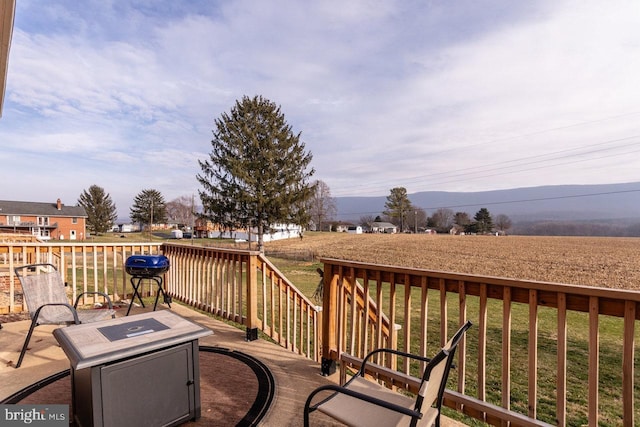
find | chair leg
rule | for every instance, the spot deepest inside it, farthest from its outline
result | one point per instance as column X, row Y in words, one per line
column 34, row 323
column 306, row 417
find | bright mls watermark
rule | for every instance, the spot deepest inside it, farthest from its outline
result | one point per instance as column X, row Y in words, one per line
column 34, row 415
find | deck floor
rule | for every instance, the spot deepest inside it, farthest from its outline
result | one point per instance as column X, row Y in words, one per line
column 295, row 375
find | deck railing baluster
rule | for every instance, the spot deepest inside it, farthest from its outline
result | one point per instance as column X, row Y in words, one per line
column 245, row 287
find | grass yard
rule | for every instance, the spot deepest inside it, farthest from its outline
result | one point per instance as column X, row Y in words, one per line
column 609, row 262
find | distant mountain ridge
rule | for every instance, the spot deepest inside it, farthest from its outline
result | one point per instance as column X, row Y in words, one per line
column 553, row 203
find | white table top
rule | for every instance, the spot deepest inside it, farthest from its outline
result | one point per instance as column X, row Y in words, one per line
column 85, row 345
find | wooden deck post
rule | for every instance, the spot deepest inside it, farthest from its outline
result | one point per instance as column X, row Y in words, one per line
column 252, row 298
column 329, row 322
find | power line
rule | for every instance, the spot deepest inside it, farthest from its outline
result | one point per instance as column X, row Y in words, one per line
column 540, row 132
column 547, row 157
column 540, row 167
column 372, row 185
column 537, row 199
column 464, row 172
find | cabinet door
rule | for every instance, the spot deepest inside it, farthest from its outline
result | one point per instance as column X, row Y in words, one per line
column 152, row 390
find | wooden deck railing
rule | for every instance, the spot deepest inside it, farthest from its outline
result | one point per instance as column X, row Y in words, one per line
column 84, row 267
column 245, row 287
column 538, row 354
column 520, row 355
column 241, row 286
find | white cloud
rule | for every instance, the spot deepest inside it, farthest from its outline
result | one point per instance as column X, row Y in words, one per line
column 405, row 93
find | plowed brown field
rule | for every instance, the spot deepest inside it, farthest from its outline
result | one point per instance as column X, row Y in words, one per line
column 594, row 261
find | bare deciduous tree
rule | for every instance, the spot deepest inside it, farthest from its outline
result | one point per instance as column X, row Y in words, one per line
column 503, row 222
column 322, row 207
column 180, row 211
column 443, row 219
column 416, row 219
column 367, row 221
column 462, row 219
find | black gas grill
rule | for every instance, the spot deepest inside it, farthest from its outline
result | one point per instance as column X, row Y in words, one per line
column 147, row 266
column 151, row 267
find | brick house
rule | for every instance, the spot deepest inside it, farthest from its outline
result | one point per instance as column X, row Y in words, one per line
column 44, row 220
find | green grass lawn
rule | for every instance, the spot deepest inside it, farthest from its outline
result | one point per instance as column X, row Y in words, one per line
column 305, row 278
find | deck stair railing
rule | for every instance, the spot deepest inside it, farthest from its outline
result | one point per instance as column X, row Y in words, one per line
column 517, row 365
column 245, row 287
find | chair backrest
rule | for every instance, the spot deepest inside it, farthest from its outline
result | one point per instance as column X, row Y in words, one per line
column 434, row 378
column 42, row 284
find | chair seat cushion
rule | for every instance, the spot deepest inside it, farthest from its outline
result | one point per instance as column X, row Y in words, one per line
column 356, row 412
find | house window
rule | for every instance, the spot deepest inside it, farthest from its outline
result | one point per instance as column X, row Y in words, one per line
column 43, row 221
column 74, row 220
column 13, row 220
column 41, row 233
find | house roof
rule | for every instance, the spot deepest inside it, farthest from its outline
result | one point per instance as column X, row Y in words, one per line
column 8, row 207
column 382, row 225
column 7, row 14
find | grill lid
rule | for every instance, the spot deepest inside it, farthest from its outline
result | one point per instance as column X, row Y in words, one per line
column 146, row 265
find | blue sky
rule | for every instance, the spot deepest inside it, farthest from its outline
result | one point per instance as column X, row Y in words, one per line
column 428, row 95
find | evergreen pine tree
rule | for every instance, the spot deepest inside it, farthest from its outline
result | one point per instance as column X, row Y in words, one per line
column 256, row 174
column 484, row 222
column 148, row 208
column 397, row 206
column 101, row 211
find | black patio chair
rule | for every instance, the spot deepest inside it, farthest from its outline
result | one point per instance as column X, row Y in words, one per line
column 47, row 301
column 362, row 402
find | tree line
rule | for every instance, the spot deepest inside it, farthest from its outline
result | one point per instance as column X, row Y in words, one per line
column 149, row 207
column 258, row 174
column 400, row 212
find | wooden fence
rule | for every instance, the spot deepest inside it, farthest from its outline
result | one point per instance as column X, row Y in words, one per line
column 246, row 288
column 499, row 377
column 84, row 267
column 538, row 354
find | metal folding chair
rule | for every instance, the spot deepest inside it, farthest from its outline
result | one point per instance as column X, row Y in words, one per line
column 47, row 301
column 363, row 402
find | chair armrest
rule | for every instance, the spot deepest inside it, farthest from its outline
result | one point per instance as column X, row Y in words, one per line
column 380, row 372
column 95, row 293
column 358, row 395
column 71, row 309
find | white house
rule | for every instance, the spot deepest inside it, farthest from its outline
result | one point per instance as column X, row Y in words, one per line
column 280, row 231
column 383, row 227
column 126, row 228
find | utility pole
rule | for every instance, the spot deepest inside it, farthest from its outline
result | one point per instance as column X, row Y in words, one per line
column 193, row 219
column 150, row 222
